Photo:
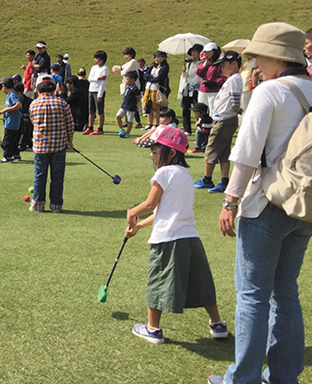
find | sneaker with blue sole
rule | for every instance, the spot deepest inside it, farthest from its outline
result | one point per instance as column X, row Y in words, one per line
column 219, row 188
column 125, row 136
column 200, row 184
column 142, row 331
column 213, row 379
column 219, row 330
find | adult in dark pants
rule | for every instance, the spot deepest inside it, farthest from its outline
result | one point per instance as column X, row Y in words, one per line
column 189, row 85
column 53, row 134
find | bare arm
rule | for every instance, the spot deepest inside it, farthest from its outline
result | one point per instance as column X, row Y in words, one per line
column 17, row 105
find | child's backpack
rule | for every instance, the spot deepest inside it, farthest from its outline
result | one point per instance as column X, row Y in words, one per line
column 288, row 183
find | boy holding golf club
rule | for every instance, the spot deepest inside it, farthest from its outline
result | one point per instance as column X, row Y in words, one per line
column 179, row 273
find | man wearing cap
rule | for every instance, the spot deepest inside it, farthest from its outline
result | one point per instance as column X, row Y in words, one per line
column 52, row 135
column 12, row 118
column 42, row 60
column 189, row 85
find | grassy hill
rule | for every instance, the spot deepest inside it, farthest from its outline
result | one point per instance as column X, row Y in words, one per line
column 52, row 329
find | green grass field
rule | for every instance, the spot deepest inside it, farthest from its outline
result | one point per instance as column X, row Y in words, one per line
column 52, row 328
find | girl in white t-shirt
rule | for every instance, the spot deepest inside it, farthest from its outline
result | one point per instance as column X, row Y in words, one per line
column 179, row 274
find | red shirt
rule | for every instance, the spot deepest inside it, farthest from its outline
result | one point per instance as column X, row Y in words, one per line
column 27, row 77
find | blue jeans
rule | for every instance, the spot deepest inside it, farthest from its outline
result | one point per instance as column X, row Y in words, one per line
column 56, row 162
column 201, row 139
column 268, row 318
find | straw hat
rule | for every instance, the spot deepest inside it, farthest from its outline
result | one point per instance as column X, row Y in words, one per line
column 279, row 41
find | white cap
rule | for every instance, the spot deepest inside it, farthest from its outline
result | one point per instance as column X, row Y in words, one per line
column 210, row 46
column 66, row 56
column 40, row 45
column 45, row 78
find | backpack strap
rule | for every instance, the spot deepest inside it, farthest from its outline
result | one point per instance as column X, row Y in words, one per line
column 297, row 93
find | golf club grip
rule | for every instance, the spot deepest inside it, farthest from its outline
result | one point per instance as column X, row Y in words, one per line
column 76, row 150
column 116, row 261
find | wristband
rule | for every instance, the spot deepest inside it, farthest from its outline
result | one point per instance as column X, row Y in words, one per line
column 228, row 205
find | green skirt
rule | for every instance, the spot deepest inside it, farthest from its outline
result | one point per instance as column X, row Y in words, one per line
column 179, row 276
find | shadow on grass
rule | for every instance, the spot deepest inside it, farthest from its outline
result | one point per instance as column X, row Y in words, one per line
column 208, row 348
column 121, row 316
column 308, row 356
column 113, row 214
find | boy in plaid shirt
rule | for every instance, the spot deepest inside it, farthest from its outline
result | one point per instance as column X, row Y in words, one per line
column 52, row 135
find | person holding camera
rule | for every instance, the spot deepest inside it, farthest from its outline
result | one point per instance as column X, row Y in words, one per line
column 189, row 85
column 212, row 77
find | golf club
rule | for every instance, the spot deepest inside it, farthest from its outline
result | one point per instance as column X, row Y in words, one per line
column 116, row 179
column 102, row 292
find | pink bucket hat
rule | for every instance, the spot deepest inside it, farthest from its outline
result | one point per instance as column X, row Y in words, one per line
column 169, row 136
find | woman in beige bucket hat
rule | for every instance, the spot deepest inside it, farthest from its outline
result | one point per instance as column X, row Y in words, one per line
column 270, row 244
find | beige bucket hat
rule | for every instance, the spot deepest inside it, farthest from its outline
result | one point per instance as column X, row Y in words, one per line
column 279, row 41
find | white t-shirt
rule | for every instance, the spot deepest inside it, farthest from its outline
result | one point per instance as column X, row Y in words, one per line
column 228, row 96
column 272, row 115
column 174, row 216
column 129, row 66
column 95, row 84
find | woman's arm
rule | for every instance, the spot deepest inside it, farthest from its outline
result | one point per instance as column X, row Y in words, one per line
column 162, row 74
column 235, row 190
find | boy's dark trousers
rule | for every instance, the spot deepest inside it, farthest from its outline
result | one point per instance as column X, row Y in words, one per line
column 10, row 143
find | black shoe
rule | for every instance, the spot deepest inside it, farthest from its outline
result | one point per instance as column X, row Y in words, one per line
column 17, row 158
column 7, row 160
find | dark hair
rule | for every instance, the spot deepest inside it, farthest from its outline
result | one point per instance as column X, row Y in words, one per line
column 309, row 34
column 129, row 51
column 291, row 65
column 101, row 55
column 169, row 113
column 46, row 87
column 141, row 60
column 163, row 157
column 132, row 75
column 41, row 42
column 216, row 54
column 56, row 68
column 31, row 52
column 73, row 80
column 61, row 56
column 19, row 87
column 82, row 72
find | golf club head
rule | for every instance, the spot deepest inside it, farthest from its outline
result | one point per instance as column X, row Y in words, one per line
column 102, row 293
column 116, row 179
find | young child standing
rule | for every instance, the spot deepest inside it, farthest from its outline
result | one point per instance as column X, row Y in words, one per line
column 97, row 78
column 131, row 98
column 179, row 273
column 12, row 118
column 204, row 124
column 225, row 122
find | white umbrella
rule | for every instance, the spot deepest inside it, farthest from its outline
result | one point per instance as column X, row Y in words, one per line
column 179, row 44
column 237, row 45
